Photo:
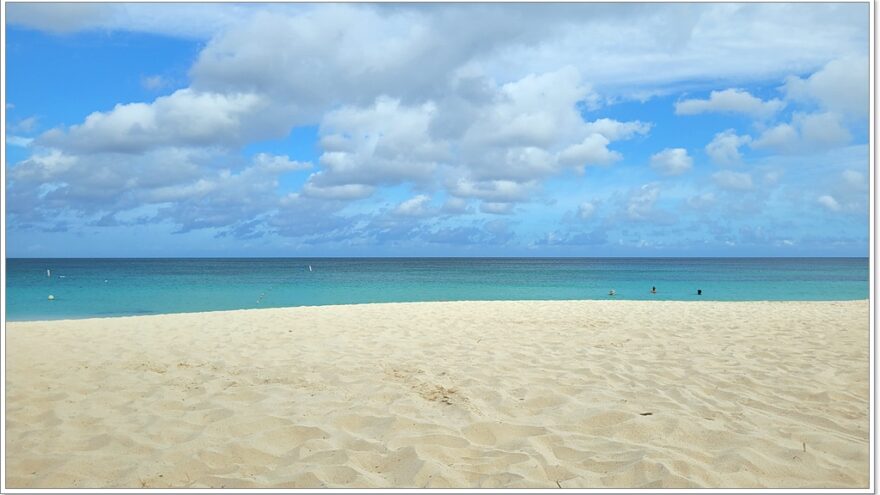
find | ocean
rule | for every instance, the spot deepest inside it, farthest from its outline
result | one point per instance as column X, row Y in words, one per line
column 85, row 288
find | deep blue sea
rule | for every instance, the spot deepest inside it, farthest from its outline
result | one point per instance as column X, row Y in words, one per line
column 115, row 287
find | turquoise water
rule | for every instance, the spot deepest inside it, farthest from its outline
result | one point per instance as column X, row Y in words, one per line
column 115, row 287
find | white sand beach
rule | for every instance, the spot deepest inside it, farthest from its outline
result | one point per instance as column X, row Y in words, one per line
column 555, row 394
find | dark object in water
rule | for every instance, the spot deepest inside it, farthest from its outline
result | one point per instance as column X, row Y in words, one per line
column 699, row 292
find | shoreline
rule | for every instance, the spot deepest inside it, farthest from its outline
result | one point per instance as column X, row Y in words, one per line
column 504, row 394
column 607, row 299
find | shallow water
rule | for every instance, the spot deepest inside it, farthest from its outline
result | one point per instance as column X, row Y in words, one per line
column 115, row 287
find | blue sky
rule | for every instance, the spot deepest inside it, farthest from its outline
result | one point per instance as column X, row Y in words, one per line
column 437, row 130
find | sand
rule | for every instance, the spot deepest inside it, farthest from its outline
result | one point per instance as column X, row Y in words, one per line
column 560, row 394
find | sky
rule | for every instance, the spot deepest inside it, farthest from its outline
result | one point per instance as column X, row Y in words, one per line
column 163, row 130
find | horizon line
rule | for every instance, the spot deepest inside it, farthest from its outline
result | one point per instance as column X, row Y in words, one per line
column 418, row 257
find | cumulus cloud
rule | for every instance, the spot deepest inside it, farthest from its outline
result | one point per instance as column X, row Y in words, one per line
column 640, row 204
column 496, row 208
column 26, row 125
column 855, row 180
column 829, row 202
column 342, row 192
column 619, row 45
column 531, row 111
column 823, row 130
column 556, row 238
column 724, row 148
column 805, row 133
column 278, row 163
column 184, row 118
column 671, row 161
column 417, row 206
column 614, row 130
column 514, row 136
column 482, row 117
column 386, row 143
column 841, row 86
column 593, row 150
column 455, row 206
column 730, row 101
column 180, row 185
column 782, row 137
column 586, row 210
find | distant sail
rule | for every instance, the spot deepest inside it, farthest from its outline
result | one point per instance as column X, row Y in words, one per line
column 310, row 267
column 48, row 273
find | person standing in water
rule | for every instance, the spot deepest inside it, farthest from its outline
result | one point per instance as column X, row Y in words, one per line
column 653, row 290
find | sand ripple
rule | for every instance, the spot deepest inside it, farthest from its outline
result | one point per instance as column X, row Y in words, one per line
column 469, row 394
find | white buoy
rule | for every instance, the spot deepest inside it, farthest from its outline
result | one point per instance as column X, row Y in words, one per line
column 51, row 297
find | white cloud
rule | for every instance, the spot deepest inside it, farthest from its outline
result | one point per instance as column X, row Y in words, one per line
column 417, row 206
column 279, row 163
column 671, row 161
column 593, row 150
column 724, row 148
column 731, row 101
column 520, row 163
column 783, row 137
column 640, row 205
column 636, row 51
column 653, row 48
column 822, row 130
column 19, row 141
column 386, row 143
column 455, row 206
column 487, row 113
column 537, row 110
column 614, row 130
column 829, row 202
column 502, row 191
column 342, row 192
column 26, row 125
column 185, row 118
column 586, row 210
column 43, row 167
column 496, row 208
column 805, row 133
column 736, row 181
column 505, row 138
column 855, row 180
column 180, row 185
column 841, row 87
